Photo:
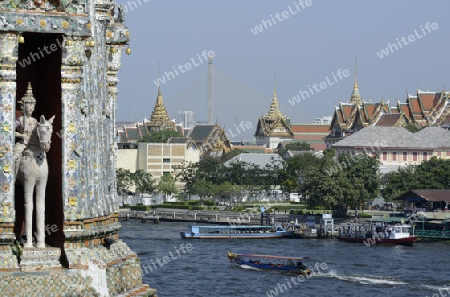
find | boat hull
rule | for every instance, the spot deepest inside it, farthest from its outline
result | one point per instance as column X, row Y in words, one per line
column 269, row 267
column 400, row 241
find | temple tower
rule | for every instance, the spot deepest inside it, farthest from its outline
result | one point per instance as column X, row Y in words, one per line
column 70, row 51
column 274, row 127
column 159, row 120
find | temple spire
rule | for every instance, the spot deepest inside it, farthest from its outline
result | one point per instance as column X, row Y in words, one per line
column 274, row 109
column 274, row 86
column 159, row 120
column 356, row 97
column 159, row 99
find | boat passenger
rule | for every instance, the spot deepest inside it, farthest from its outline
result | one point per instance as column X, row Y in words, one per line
column 388, row 232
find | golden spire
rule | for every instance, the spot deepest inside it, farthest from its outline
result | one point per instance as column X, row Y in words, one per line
column 356, row 97
column 274, row 109
column 159, row 119
column 159, row 98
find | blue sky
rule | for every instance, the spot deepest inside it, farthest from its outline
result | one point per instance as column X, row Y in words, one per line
column 303, row 49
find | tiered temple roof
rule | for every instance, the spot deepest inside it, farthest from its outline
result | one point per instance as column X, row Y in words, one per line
column 423, row 109
column 159, row 119
column 210, row 138
column 274, row 124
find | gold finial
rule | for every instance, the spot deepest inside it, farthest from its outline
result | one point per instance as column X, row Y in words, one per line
column 356, row 97
column 274, row 86
column 274, row 109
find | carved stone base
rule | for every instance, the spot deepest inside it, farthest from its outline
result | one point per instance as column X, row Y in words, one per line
column 35, row 259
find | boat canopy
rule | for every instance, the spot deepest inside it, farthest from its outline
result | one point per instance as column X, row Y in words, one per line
column 269, row 257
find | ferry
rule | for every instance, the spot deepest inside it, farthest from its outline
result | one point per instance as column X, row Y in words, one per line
column 375, row 233
column 227, row 232
column 268, row 262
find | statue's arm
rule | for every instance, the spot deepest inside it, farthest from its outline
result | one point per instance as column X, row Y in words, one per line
column 18, row 125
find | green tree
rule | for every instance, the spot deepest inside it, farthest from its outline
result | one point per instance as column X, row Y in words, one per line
column 186, row 173
column 124, row 181
column 143, row 182
column 161, row 136
column 431, row 174
column 398, row 182
column 363, row 173
column 210, row 169
column 294, row 169
column 350, row 182
column 293, row 146
column 203, row 189
column 166, row 186
column 231, row 154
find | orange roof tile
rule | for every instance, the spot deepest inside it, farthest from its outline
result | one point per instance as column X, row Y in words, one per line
column 318, row 146
column 370, row 109
column 428, row 100
column 414, row 103
column 302, row 128
column 306, row 137
column 388, row 120
column 347, row 110
column 405, row 109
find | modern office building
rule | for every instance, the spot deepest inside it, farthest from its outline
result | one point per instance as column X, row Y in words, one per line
column 186, row 118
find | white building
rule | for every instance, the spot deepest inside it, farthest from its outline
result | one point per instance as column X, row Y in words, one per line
column 397, row 147
column 157, row 158
column 186, row 119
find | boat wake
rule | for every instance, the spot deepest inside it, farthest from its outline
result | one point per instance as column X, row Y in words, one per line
column 363, row 279
column 437, row 288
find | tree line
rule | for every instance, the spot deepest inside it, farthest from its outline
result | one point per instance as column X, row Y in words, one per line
column 336, row 183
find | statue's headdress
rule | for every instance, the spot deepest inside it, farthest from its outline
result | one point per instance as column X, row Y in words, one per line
column 28, row 97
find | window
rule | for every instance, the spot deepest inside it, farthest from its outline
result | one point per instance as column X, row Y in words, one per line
column 425, row 156
column 414, row 156
column 384, row 156
column 166, row 172
column 405, row 156
column 166, row 160
column 394, row 156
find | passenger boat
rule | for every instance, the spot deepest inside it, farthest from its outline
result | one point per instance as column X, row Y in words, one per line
column 375, row 233
column 267, row 262
column 227, row 232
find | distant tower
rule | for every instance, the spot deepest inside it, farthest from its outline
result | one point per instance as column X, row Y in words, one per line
column 186, row 118
column 210, row 91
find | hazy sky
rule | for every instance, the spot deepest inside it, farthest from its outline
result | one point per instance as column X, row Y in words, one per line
column 305, row 45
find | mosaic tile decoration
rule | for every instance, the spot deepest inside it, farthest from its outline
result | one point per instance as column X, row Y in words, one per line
column 123, row 270
column 46, row 284
column 8, row 261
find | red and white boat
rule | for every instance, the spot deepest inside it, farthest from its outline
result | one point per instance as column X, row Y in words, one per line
column 376, row 233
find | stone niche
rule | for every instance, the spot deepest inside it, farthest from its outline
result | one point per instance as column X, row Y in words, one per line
column 70, row 52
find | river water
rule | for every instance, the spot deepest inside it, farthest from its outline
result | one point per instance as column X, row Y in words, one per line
column 201, row 267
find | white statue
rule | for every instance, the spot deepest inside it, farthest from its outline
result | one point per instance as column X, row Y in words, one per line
column 34, row 139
